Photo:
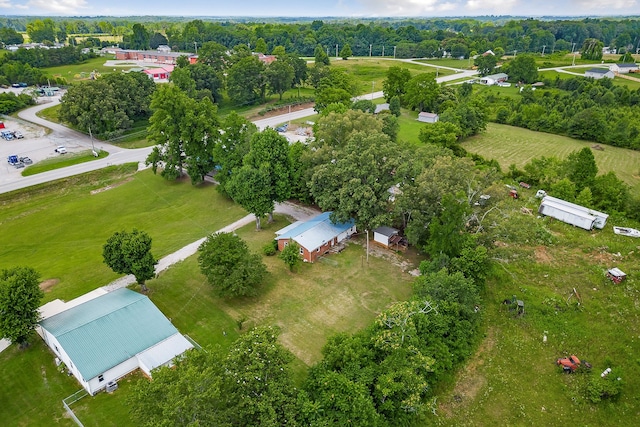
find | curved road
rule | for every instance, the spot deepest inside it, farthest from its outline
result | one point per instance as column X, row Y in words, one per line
column 62, row 135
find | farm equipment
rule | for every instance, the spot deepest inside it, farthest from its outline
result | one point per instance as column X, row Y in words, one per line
column 571, row 364
column 516, row 305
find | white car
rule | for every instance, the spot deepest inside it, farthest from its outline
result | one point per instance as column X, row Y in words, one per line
column 61, row 149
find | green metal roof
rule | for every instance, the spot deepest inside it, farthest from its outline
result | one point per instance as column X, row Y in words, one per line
column 104, row 332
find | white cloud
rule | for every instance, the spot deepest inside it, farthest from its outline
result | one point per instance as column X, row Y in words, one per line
column 587, row 5
column 405, row 7
column 491, row 6
column 5, row 4
column 69, row 7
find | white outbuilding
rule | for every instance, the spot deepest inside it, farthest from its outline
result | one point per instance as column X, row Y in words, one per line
column 105, row 338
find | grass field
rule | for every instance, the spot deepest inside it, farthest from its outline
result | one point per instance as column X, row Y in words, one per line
column 308, row 305
column 513, row 379
column 59, row 228
column 68, row 159
column 513, row 145
column 82, row 71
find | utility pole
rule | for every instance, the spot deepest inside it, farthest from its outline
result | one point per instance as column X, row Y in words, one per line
column 370, row 46
column 394, row 52
column 383, row 51
column 515, row 53
column 544, row 46
column 573, row 47
column 336, row 50
column 93, row 149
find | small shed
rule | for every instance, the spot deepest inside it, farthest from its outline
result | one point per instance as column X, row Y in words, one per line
column 599, row 73
column 390, row 238
column 428, row 117
column 616, row 275
column 381, row 107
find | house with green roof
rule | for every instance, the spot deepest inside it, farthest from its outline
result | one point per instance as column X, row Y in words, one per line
column 111, row 335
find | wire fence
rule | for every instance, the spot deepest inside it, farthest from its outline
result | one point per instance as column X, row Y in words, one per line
column 70, row 400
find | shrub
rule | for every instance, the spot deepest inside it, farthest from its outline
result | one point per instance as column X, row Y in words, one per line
column 599, row 388
column 270, row 248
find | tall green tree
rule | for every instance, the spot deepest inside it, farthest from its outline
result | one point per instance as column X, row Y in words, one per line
column 10, row 36
column 592, row 49
column 280, row 76
column 581, row 168
column 139, row 38
column 291, row 255
column 247, row 81
column 346, row 52
column 40, row 31
column 447, row 230
column 355, row 184
column 486, row 64
column 421, row 92
column 269, row 154
column 20, row 296
column 185, row 131
column 229, row 266
column 395, row 82
column 130, row 253
column 522, row 68
column 321, row 57
column 233, row 145
column 157, row 39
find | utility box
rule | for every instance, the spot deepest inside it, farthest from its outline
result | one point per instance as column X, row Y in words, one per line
column 112, row 386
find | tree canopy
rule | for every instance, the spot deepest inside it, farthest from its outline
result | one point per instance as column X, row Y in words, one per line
column 130, row 253
column 20, row 296
column 229, row 267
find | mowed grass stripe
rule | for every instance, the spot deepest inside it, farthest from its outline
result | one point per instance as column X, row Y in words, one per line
column 512, row 145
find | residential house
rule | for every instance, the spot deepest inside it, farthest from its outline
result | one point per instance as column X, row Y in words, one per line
column 103, row 336
column 316, row 236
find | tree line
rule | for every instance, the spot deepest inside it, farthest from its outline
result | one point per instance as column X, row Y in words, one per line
column 593, row 110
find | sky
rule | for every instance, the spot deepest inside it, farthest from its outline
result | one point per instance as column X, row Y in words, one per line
column 321, row 8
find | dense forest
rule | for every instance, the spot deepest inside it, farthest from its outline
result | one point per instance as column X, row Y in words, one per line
column 412, row 37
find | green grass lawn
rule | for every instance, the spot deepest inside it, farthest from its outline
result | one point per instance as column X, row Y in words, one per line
column 82, row 71
column 513, row 379
column 513, row 145
column 461, row 64
column 59, row 228
column 63, row 161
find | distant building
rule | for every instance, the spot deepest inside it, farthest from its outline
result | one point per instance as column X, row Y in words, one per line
column 428, row 117
column 494, row 79
column 161, row 73
column 624, row 68
column 381, row 107
column 164, row 48
column 154, row 56
column 599, row 73
column 266, row 59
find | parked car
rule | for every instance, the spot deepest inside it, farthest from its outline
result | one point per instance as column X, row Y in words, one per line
column 282, row 128
column 18, row 135
column 26, row 160
column 12, row 159
column 19, row 165
column 6, row 134
column 61, row 149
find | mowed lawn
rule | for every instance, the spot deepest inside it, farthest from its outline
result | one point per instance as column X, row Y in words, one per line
column 82, row 71
column 513, row 145
column 59, row 228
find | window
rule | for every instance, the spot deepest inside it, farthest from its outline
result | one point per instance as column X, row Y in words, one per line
column 100, row 378
column 301, row 251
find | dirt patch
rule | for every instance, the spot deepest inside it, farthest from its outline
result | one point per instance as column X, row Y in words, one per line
column 48, row 284
column 109, row 187
column 542, row 256
column 469, row 381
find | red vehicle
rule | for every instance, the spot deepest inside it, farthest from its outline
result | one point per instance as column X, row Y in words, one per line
column 571, row 363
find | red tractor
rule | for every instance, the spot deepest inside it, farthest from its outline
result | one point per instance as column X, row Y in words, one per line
column 570, row 364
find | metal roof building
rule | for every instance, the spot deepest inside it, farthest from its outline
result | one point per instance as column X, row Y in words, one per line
column 315, row 236
column 107, row 337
